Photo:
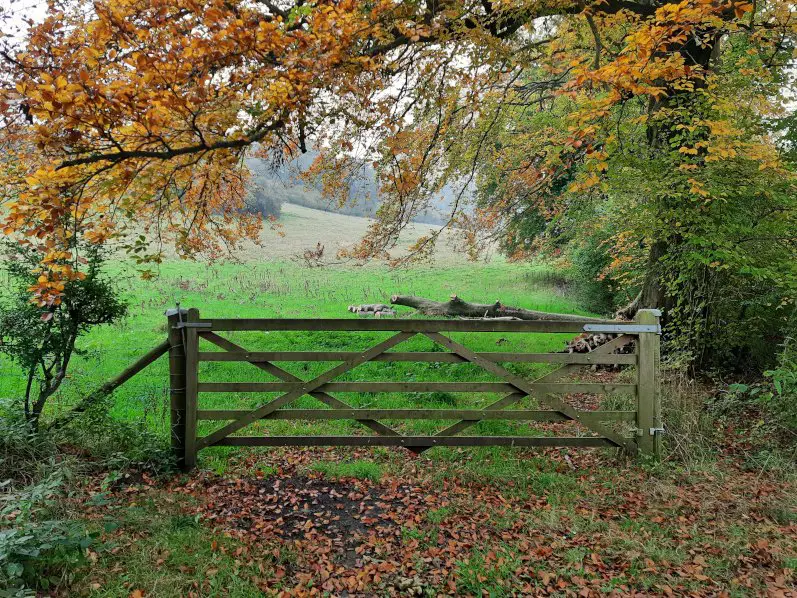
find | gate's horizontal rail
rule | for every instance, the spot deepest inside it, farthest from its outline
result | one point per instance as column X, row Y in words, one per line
column 437, row 357
column 444, row 414
column 337, row 324
column 413, row 441
column 414, row 387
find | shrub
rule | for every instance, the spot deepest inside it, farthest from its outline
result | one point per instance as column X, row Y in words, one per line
column 588, row 262
column 118, row 445
column 775, row 396
column 42, row 340
column 37, row 549
column 24, row 454
column 781, row 398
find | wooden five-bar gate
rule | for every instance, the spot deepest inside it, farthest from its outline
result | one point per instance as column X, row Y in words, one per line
column 186, row 328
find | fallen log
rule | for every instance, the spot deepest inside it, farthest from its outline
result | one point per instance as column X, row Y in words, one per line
column 456, row 307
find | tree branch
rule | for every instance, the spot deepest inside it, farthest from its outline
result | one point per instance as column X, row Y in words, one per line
column 119, row 156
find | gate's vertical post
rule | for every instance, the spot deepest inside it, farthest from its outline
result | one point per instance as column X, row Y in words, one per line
column 191, row 381
column 648, row 397
column 177, row 382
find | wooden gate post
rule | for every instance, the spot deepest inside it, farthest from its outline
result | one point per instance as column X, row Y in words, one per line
column 649, row 399
column 177, row 382
column 191, row 392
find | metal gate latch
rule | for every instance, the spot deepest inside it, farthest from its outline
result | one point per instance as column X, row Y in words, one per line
column 653, row 431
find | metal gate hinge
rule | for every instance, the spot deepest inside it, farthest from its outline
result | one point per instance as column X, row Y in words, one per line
column 622, row 328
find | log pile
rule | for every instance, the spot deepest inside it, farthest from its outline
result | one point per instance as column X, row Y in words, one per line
column 586, row 343
column 377, row 310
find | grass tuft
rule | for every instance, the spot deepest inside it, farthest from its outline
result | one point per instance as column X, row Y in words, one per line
column 361, row 470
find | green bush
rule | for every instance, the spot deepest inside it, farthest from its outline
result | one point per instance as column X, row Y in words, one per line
column 588, row 261
column 37, row 550
column 118, row 445
column 42, row 340
column 781, row 398
column 24, row 454
column 775, row 396
column 36, row 545
column 40, row 542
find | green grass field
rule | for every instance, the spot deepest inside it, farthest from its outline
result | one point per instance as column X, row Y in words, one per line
column 287, row 289
column 474, row 521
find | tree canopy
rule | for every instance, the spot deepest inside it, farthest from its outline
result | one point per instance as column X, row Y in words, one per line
column 659, row 127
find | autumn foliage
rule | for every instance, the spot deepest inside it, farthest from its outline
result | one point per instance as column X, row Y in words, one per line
column 123, row 115
column 134, row 116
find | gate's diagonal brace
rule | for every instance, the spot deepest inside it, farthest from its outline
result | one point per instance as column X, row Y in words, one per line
column 464, row 424
column 547, row 378
column 515, row 397
column 286, row 376
column 307, row 388
column 605, row 348
column 526, row 387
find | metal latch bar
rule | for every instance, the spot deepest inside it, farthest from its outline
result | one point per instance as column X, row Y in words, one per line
column 193, row 325
column 654, row 431
column 622, row 328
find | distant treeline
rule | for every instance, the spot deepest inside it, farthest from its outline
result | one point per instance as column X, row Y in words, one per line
column 271, row 187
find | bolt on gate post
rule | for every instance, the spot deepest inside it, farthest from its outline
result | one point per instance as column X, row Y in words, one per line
column 649, row 399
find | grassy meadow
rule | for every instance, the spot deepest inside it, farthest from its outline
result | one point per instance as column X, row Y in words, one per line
column 472, row 521
column 284, row 287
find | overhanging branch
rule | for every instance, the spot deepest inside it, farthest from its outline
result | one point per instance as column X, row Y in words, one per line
column 168, row 154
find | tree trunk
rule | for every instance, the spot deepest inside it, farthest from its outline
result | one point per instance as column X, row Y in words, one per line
column 456, row 307
column 34, row 415
column 700, row 51
column 652, row 295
